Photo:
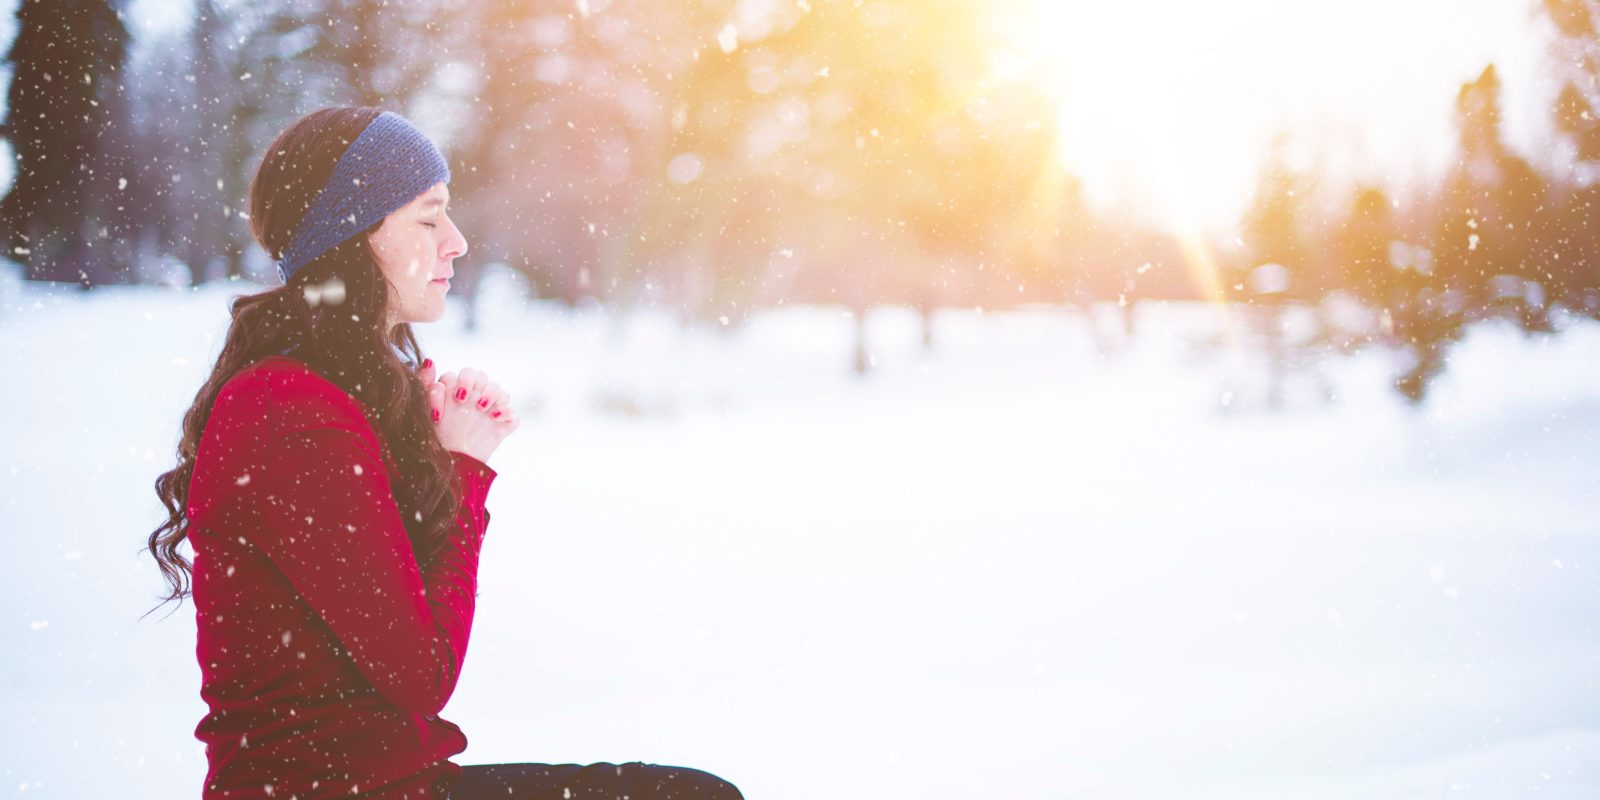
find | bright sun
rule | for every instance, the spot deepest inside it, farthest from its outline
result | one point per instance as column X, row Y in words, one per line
column 1168, row 108
column 1149, row 117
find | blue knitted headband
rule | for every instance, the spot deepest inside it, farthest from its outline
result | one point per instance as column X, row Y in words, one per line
column 385, row 168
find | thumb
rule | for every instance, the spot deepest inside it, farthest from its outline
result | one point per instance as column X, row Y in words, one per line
column 427, row 372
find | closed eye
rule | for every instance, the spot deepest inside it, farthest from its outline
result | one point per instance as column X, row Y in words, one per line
column 430, row 224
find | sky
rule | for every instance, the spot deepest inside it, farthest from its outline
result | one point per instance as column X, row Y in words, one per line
column 1169, row 105
column 1166, row 107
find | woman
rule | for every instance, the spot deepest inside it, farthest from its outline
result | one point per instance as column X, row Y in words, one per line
column 333, row 494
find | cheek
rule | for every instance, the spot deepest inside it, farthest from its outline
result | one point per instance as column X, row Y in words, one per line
column 408, row 270
column 401, row 249
column 394, row 254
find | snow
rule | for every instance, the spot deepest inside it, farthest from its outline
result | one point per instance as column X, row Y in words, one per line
column 1021, row 565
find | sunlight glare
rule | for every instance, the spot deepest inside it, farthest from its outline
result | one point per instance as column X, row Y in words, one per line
column 1166, row 108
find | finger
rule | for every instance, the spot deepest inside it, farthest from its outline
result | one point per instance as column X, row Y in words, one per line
column 489, row 396
column 469, row 387
column 501, row 406
column 459, row 388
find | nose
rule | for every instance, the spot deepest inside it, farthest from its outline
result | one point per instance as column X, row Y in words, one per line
column 457, row 244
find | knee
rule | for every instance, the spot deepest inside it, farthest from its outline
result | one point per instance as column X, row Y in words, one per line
column 718, row 788
column 708, row 786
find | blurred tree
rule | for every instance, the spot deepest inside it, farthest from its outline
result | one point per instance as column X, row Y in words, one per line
column 373, row 52
column 212, row 98
column 1069, row 254
column 551, row 164
column 1275, row 231
column 1575, row 117
column 248, row 78
column 855, row 153
column 986, row 189
column 1489, row 221
column 1277, row 248
column 67, row 121
column 1573, row 260
column 1489, row 244
column 1364, row 243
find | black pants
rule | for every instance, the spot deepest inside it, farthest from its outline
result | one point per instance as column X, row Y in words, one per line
column 602, row 781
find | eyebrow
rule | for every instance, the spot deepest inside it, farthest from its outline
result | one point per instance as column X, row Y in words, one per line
column 431, row 203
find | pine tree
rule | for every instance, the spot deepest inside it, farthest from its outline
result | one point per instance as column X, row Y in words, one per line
column 68, row 127
column 1573, row 263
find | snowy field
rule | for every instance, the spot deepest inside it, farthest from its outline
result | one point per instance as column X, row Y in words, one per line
column 1023, row 564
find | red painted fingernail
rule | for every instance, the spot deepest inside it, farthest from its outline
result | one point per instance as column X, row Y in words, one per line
column 461, row 394
column 436, row 415
column 427, row 362
column 483, row 402
column 495, row 414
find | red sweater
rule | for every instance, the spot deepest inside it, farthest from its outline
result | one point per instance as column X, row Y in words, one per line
column 325, row 652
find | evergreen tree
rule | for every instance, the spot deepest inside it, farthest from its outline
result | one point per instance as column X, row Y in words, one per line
column 1275, row 235
column 1573, row 260
column 67, row 121
column 1363, row 243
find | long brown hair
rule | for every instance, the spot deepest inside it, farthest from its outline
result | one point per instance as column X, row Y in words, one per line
column 343, row 339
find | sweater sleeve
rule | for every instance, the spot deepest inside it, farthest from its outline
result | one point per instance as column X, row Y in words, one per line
column 331, row 524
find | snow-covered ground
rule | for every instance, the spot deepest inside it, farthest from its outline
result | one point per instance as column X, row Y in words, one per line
column 1021, row 565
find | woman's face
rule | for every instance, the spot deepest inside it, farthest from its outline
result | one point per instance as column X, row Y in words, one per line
column 414, row 247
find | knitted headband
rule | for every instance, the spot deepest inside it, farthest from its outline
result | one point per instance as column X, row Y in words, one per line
column 385, row 168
